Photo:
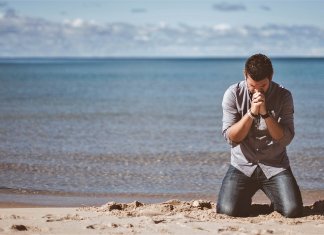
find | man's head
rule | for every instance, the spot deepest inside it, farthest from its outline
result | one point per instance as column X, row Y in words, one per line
column 258, row 73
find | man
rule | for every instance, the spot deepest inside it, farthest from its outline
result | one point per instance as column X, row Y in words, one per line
column 258, row 123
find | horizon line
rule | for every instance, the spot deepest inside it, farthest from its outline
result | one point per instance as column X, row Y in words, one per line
column 153, row 57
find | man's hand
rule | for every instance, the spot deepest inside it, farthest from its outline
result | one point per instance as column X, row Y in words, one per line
column 258, row 105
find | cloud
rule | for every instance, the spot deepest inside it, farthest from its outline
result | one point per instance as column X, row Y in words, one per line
column 138, row 10
column 75, row 23
column 63, row 13
column 265, row 8
column 224, row 6
column 10, row 13
column 27, row 36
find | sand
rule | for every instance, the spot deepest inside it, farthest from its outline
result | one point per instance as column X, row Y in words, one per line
column 170, row 217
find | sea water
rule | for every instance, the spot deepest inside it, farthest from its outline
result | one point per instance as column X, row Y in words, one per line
column 139, row 126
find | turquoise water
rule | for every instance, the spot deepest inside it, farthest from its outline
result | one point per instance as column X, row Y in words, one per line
column 138, row 126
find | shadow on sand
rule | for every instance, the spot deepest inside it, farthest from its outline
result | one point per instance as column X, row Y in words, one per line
column 316, row 209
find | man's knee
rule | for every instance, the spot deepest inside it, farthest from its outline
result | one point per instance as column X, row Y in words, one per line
column 293, row 211
column 226, row 208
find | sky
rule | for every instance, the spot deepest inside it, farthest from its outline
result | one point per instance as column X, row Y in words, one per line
column 154, row 28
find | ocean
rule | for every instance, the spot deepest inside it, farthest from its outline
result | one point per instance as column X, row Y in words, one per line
column 145, row 127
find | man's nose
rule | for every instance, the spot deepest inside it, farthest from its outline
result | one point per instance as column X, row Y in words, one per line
column 259, row 90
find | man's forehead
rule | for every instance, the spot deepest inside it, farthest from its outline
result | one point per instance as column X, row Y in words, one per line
column 251, row 81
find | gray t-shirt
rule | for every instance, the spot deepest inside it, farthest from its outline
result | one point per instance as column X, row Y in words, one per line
column 258, row 147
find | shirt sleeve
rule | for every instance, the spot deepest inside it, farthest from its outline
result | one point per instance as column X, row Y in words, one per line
column 230, row 112
column 286, row 119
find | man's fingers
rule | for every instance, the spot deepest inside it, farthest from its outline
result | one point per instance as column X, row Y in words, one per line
column 257, row 96
column 258, row 99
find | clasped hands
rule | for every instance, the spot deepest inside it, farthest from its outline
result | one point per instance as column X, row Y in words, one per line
column 258, row 103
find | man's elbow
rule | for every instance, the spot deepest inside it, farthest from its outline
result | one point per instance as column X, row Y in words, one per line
column 232, row 142
column 287, row 137
column 279, row 136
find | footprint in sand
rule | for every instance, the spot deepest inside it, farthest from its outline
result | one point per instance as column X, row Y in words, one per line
column 53, row 218
column 21, row 227
column 16, row 217
column 95, row 226
column 102, row 226
column 50, row 218
column 229, row 228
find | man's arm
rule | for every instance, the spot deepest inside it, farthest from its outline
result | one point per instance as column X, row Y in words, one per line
column 239, row 130
column 235, row 127
column 277, row 131
column 274, row 128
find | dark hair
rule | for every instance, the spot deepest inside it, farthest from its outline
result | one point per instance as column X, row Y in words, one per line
column 259, row 67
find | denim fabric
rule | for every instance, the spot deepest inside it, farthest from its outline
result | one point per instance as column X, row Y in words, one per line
column 237, row 190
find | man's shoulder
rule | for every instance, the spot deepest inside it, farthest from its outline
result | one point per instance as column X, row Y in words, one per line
column 235, row 91
column 278, row 88
column 236, row 86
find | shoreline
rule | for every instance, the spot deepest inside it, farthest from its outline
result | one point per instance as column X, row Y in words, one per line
column 24, row 199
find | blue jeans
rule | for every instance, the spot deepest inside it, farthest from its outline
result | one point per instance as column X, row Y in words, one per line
column 237, row 190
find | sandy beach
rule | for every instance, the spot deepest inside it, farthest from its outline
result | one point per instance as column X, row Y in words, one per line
column 170, row 217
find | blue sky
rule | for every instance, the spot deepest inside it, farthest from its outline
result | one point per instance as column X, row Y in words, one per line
column 153, row 28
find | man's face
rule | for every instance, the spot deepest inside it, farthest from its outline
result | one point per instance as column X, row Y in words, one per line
column 254, row 86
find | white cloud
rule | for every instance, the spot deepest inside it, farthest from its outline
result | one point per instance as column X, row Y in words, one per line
column 142, row 37
column 225, row 6
column 26, row 36
column 74, row 23
column 162, row 24
column 222, row 27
